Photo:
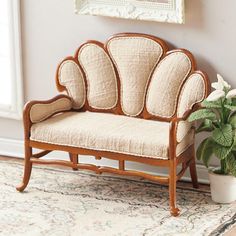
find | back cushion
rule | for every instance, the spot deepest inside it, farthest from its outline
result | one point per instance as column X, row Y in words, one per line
column 70, row 77
column 102, row 91
column 131, row 72
column 135, row 59
column 193, row 91
column 166, row 82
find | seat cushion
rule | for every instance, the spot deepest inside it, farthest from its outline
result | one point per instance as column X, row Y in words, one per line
column 108, row 132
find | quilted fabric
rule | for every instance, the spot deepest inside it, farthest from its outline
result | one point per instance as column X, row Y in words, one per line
column 102, row 92
column 40, row 112
column 71, row 77
column 135, row 58
column 138, row 69
column 192, row 92
column 108, row 132
column 165, row 84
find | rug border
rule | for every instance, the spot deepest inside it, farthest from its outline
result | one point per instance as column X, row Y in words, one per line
column 224, row 227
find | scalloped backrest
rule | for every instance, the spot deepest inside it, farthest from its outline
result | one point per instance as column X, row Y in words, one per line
column 70, row 78
column 135, row 58
column 166, row 82
column 131, row 74
column 102, row 91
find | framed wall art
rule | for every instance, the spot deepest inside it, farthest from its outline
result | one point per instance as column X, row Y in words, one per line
column 171, row 11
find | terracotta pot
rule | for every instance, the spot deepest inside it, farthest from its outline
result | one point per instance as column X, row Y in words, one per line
column 223, row 187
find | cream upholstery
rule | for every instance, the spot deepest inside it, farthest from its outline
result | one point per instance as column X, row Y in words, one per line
column 193, row 92
column 108, row 132
column 132, row 73
column 102, row 92
column 70, row 76
column 135, row 58
column 166, row 82
column 40, row 112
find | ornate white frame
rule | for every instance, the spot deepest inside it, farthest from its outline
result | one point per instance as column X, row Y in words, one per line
column 172, row 11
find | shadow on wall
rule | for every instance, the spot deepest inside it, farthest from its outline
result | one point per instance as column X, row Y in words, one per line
column 194, row 14
column 204, row 65
column 195, row 19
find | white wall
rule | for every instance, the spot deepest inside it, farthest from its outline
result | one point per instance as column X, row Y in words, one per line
column 51, row 31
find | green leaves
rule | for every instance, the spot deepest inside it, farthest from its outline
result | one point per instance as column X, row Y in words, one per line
column 231, row 164
column 206, row 125
column 219, row 117
column 232, row 121
column 205, row 151
column 222, row 152
column 202, row 114
column 223, row 135
column 215, row 104
column 230, row 107
column 208, row 147
column 233, row 101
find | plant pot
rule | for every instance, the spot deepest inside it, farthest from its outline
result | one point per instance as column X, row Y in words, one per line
column 223, row 187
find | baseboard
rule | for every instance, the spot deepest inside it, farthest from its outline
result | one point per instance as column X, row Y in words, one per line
column 11, row 147
column 15, row 148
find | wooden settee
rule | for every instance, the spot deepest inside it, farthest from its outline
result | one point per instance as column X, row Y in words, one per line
column 127, row 100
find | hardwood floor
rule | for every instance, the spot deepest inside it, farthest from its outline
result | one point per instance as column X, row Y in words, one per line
column 232, row 232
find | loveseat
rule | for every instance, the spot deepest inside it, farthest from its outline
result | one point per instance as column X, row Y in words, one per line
column 127, row 100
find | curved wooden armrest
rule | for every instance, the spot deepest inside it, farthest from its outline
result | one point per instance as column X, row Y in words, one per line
column 37, row 111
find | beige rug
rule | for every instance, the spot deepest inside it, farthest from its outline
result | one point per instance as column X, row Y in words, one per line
column 60, row 202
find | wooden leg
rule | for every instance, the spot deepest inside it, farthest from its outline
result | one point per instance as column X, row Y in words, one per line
column 193, row 173
column 121, row 165
column 27, row 168
column 74, row 159
column 172, row 189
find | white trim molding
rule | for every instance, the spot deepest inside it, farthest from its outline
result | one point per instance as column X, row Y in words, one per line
column 11, row 147
column 14, row 110
column 15, row 148
column 171, row 11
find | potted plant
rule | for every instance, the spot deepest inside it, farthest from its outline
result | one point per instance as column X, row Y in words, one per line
column 218, row 115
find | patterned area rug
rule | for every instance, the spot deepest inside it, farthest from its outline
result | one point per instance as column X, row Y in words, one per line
column 62, row 202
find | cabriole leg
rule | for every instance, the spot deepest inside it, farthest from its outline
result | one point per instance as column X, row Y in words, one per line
column 74, row 160
column 172, row 189
column 27, row 168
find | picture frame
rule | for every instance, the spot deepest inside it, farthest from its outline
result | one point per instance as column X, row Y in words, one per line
column 171, row 11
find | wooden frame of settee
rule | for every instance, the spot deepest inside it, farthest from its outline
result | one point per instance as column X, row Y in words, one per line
column 186, row 159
